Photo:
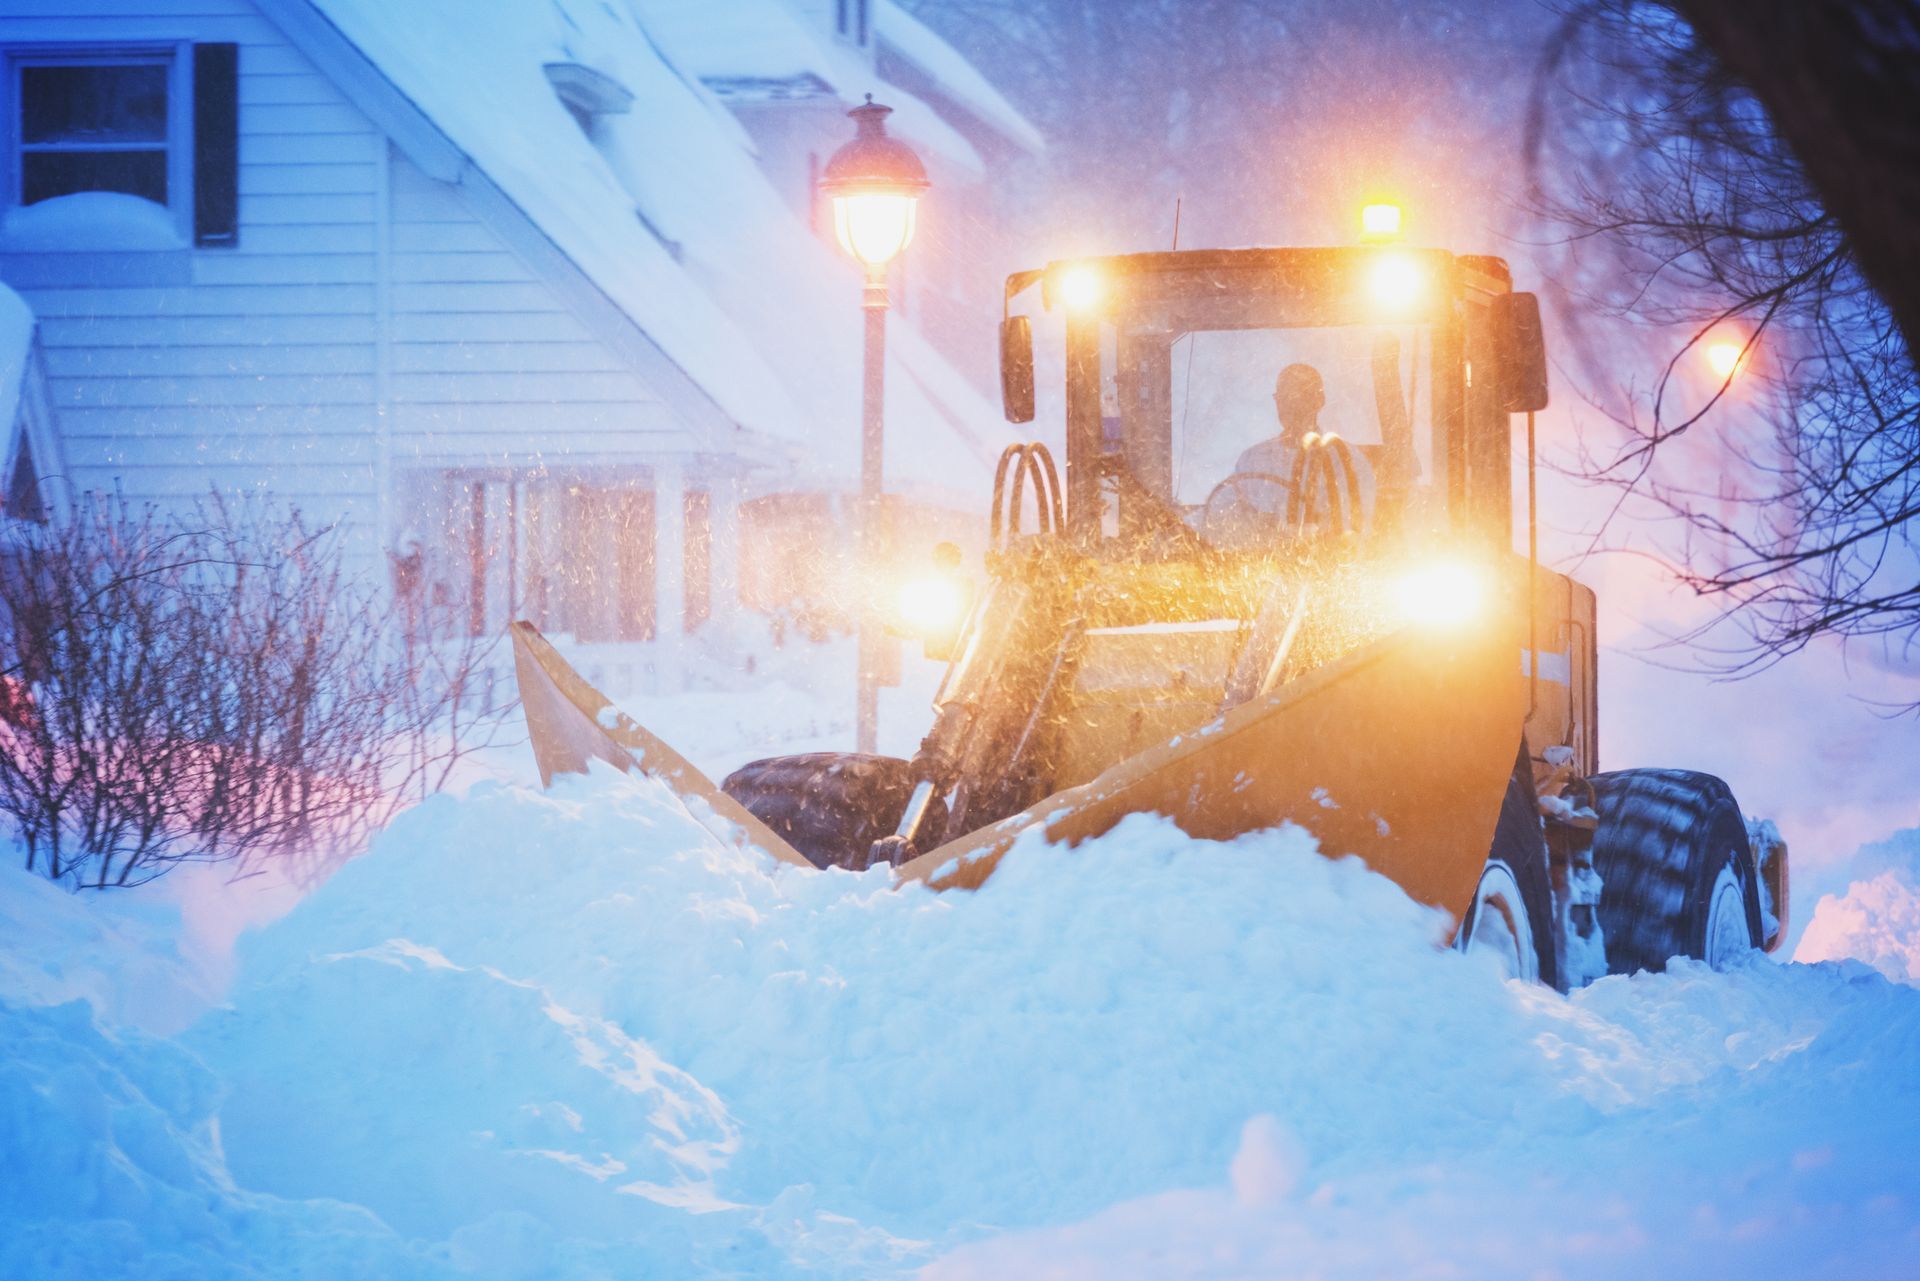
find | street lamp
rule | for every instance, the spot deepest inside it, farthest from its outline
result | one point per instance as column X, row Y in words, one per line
column 1726, row 358
column 875, row 184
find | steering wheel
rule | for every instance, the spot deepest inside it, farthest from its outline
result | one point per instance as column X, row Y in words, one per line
column 1269, row 521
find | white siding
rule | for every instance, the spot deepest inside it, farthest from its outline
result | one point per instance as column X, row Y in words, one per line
column 487, row 363
column 244, row 368
column 369, row 327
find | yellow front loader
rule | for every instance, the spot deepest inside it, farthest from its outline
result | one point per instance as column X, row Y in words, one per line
column 1237, row 613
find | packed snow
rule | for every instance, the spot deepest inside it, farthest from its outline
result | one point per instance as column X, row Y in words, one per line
column 572, row 1035
column 92, row 220
column 1876, row 919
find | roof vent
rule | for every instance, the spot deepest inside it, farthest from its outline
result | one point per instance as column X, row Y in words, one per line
column 587, row 93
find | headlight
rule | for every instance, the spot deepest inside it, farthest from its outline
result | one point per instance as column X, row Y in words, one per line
column 1443, row 593
column 932, row 604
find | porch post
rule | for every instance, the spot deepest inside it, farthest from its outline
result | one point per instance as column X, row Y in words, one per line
column 669, row 574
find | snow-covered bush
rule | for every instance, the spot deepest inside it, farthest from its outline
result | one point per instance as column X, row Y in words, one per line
column 211, row 687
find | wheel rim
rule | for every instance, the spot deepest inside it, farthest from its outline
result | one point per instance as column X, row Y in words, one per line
column 1497, row 922
column 1728, row 938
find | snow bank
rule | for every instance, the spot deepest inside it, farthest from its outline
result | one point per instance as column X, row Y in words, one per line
column 577, row 1024
column 1876, row 921
column 120, row 952
column 1877, row 918
column 110, row 1167
column 571, row 1035
column 1697, row 1135
column 651, row 1021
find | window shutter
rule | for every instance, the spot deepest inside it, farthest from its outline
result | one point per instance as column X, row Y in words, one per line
column 216, row 144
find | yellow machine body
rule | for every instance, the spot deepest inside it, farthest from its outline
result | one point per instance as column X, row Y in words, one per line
column 1397, row 752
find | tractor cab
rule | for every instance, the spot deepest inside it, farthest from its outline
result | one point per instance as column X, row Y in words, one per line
column 1274, row 457
column 1247, row 400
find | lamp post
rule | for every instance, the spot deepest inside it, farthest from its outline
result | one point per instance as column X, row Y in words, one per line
column 875, row 183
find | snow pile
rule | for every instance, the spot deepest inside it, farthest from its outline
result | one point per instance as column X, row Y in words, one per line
column 585, row 1007
column 580, row 1032
column 572, row 1035
column 95, row 220
column 1877, row 921
column 110, row 1167
column 121, row 953
column 1877, row 918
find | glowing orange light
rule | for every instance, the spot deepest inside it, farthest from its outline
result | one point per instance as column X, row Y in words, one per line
column 1397, row 281
column 1081, row 287
column 1379, row 222
column 1442, row 594
column 1726, row 358
column 874, row 226
column 932, row 604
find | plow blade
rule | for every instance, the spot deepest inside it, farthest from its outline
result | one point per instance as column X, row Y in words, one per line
column 1400, row 753
column 572, row 723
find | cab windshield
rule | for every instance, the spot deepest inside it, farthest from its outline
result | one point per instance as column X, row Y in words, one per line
column 1258, row 410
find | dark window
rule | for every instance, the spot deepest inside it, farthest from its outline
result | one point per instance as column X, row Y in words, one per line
column 860, row 36
column 93, row 127
column 216, row 144
column 841, row 22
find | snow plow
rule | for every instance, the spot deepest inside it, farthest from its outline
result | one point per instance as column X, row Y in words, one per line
column 1275, row 581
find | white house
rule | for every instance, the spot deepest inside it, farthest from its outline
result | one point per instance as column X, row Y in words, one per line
column 498, row 285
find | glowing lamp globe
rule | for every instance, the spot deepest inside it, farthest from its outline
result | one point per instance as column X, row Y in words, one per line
column 875, row 183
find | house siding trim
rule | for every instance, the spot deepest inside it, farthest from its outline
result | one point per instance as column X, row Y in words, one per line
column 436, row 155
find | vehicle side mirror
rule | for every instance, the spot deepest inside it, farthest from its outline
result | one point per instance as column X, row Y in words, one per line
column 1522, row 347
column 1016, row 368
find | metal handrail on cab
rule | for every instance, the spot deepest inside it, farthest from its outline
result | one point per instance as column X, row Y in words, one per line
column 1017, row 463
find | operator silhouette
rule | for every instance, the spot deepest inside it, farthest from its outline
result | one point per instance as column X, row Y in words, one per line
column 1299, row 394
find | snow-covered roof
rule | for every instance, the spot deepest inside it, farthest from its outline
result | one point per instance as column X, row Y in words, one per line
column 912, row 41
column 765, row 48
column 666, row 210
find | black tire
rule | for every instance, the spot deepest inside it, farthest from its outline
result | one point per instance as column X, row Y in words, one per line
column 1663, row 838
column 831, row 806
column 1519, row 843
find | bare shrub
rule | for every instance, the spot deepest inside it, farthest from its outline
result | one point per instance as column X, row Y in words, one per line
column 211, row 688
